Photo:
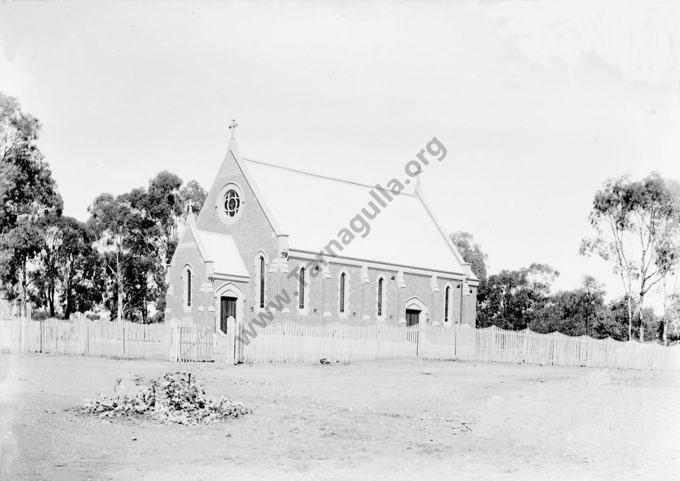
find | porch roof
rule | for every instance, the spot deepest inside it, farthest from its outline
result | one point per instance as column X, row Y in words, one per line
column 221, row 250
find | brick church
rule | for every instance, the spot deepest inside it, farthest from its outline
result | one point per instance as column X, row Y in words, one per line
column 285, row 244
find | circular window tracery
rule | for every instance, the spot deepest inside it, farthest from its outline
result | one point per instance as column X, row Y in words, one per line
column 232, row 203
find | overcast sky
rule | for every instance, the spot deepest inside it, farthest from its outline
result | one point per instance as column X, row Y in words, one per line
column 536, row 105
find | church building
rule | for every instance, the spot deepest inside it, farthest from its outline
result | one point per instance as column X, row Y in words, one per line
column 273, row 243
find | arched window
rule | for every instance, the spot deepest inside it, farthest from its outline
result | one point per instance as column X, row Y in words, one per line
column 262, row 285
column 301, row 290
column 380, row 296
column 187, row 286
column 342, row 292
column 447, row 293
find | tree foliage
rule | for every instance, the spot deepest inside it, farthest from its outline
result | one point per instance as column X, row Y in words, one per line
column 192, row 195
column 136, row 234
column 575, row 313
column 66, row 267
column 117, row 260
column 472, row 253
column 508, row 299
column 636, row 227
column 27, row 190
column 28, row 197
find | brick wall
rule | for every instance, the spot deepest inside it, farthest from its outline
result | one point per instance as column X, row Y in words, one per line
column 253, row 235
column 187, row 254
column 361, row 297
column 252, row 232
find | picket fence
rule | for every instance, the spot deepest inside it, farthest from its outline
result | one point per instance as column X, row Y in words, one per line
column 291, row 342
column 123, row 339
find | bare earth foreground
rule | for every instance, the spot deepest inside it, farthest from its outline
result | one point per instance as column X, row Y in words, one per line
column 381, row 420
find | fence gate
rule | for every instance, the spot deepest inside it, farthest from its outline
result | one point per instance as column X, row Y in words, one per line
column 195, row 343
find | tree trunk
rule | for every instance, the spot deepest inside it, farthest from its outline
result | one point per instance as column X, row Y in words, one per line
column 68, row 291
column 664, row 332
column 50, row 297
column 119, row 278
column 641, row 316
column 630, row 319
column 67, row 307
column 68, row 294
column 24, row 288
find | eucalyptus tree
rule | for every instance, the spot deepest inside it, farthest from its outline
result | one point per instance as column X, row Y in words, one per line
column 28, row 195
column 136, row 232
column 511, row 298
column 636, row 227
column 110, row 219
column 472, row 253
column 77, row 265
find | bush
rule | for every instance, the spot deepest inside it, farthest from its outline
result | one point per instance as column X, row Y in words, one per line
column 174, row 397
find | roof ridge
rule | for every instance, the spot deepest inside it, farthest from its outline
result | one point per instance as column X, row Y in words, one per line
column 312, row 174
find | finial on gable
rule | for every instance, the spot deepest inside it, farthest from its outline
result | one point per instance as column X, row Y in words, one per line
column 231, row 127
column 189, row 216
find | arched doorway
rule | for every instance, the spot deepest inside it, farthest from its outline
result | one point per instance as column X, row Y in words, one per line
column 229, row 301
column 416, row 312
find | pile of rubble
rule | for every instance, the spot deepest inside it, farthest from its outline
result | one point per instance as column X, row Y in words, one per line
column 174, row 397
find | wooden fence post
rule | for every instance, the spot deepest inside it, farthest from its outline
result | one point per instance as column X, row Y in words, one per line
column 554, row 348
column 418, row 341
column 174, row 340
column 527, row 335
column 123, row 335
column 21, row 337
column 232, row 349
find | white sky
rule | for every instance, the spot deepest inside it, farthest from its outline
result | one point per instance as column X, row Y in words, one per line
column 537, row 106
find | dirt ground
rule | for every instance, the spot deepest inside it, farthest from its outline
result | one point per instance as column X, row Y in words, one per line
column 403, row 419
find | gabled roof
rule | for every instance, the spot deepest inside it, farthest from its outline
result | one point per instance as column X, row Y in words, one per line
column 312, row 209
column 220, row 249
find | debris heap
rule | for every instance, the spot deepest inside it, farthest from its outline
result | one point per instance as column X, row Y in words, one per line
column 174, row 397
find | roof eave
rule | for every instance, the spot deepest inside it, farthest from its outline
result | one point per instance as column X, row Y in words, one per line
column 388, row 265
column 231, row 277
column 449, row 243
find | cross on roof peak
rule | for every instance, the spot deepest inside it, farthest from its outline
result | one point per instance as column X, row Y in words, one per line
column 231, row 127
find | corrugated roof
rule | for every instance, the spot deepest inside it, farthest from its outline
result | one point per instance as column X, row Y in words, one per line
column 222, row 251
column 312, row 209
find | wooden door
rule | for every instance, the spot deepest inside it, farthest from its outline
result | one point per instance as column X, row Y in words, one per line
column 227, row 309
column 412, row 316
